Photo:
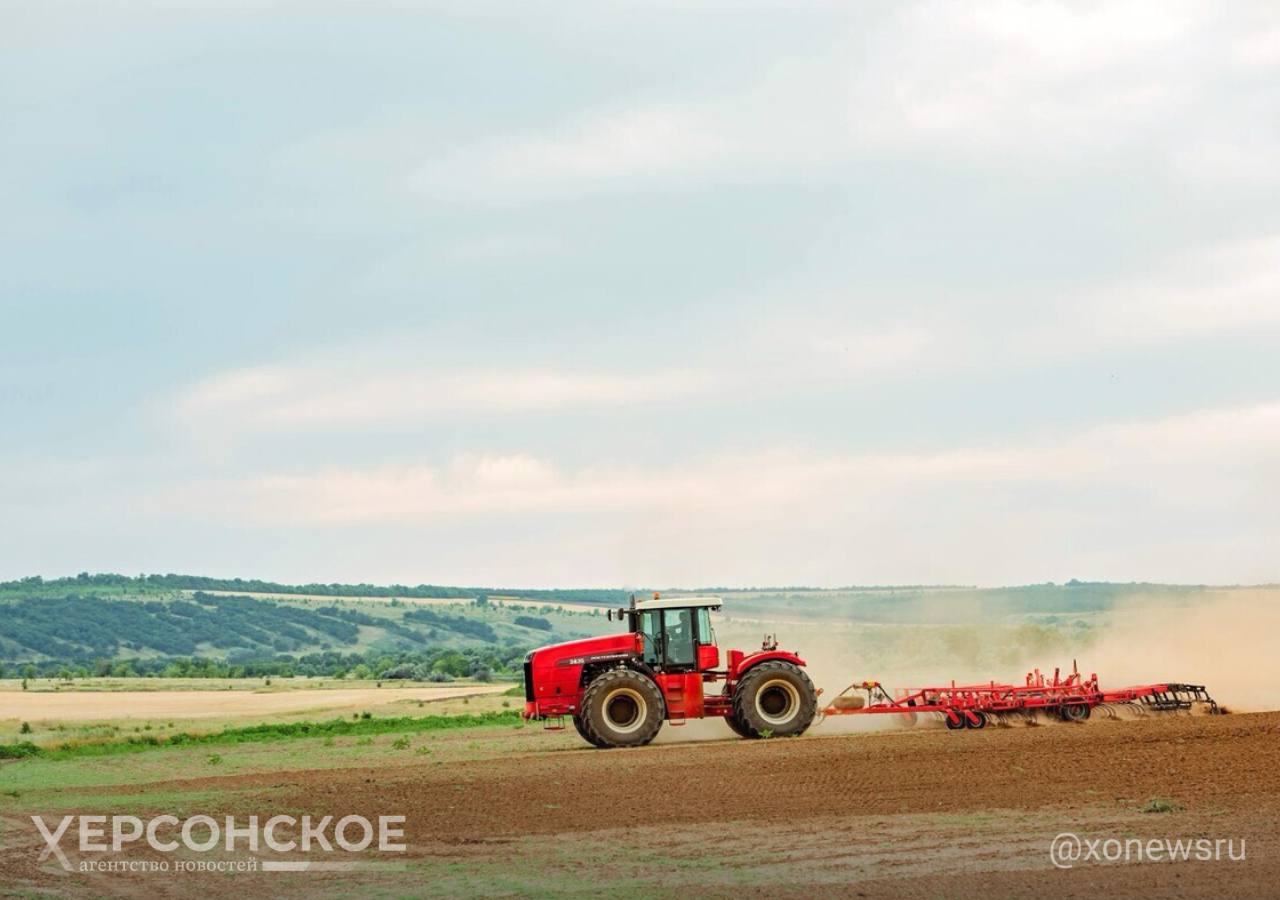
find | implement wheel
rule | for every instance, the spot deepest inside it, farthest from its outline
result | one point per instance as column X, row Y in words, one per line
column 774, row 699
column 1074, row 712
column 980, row 724
column 959, row 724
column 622, row 708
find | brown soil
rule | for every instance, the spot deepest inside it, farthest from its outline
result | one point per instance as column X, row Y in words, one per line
column 915, row 813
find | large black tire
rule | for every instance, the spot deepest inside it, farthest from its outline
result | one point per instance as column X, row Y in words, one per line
column 737, row 727
column 585, row 733
column 774, row 699
column 622, row 708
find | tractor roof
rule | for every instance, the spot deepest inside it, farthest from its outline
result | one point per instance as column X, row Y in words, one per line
column 677, row 602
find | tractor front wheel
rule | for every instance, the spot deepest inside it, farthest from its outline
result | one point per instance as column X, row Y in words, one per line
column 774, row 699
column 621, row 708
column 580, row 726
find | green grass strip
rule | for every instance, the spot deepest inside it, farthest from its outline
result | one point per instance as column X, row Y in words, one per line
column 257, row 733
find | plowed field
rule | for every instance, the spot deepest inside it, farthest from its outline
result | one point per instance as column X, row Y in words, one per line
column 915, row 813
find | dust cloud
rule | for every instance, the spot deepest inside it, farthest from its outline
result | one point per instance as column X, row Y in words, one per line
column 1225, row 640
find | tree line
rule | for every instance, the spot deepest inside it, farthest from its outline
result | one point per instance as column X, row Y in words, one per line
column 438, row 665
column 153, row 583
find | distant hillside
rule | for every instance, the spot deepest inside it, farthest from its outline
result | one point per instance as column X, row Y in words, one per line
column 82, row 621
column 107, row 583
column 81, row 629
column 951, row 605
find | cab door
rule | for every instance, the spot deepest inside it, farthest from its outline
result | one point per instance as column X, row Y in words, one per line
column 670, row 639
column 677, row 656
column 679, row 641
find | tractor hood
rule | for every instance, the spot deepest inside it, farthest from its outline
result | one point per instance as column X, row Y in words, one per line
column 553, row 675
column 580, row 652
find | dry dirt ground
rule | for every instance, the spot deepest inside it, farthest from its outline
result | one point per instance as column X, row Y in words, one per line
column 918, row 813
column 80, row 706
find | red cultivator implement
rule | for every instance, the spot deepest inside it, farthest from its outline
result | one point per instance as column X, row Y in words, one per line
column 1072, row 698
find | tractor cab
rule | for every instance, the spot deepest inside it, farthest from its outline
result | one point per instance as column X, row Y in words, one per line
column 676, row 632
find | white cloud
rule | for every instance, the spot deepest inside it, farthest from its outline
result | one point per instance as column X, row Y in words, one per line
column 1192, row 458
column 1259, row 49
column 360, row 392
column 1226, row 288
column 594, row 153
column 1038, row 79
column 1041, row 83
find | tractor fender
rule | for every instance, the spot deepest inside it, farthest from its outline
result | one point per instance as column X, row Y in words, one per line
column 740, row 666
column 593, row 669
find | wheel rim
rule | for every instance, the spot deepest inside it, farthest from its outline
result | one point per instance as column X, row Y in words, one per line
column 625, row 710
column 777, row 701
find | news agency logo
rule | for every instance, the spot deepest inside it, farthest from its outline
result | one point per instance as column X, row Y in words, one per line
column 201, row 834
column 1070, row 849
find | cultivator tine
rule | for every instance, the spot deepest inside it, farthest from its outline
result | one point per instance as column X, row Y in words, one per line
column 1179, row 697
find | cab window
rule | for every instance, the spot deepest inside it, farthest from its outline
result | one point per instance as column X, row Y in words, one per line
column 651, row 628
column 679, row 637
column 705, row 634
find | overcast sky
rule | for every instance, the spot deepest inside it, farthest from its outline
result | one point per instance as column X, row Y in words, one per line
column 641, row 293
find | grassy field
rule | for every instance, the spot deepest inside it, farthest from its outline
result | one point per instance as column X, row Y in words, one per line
column 138, row 778
column 138, row 782
column 243, row 685
column 173, row 705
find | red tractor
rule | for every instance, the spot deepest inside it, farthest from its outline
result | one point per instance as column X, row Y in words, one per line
column 619, row 689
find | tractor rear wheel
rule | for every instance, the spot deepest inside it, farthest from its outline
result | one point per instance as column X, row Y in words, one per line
column 622, row 708
column 774, row 699
column 736, row 726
